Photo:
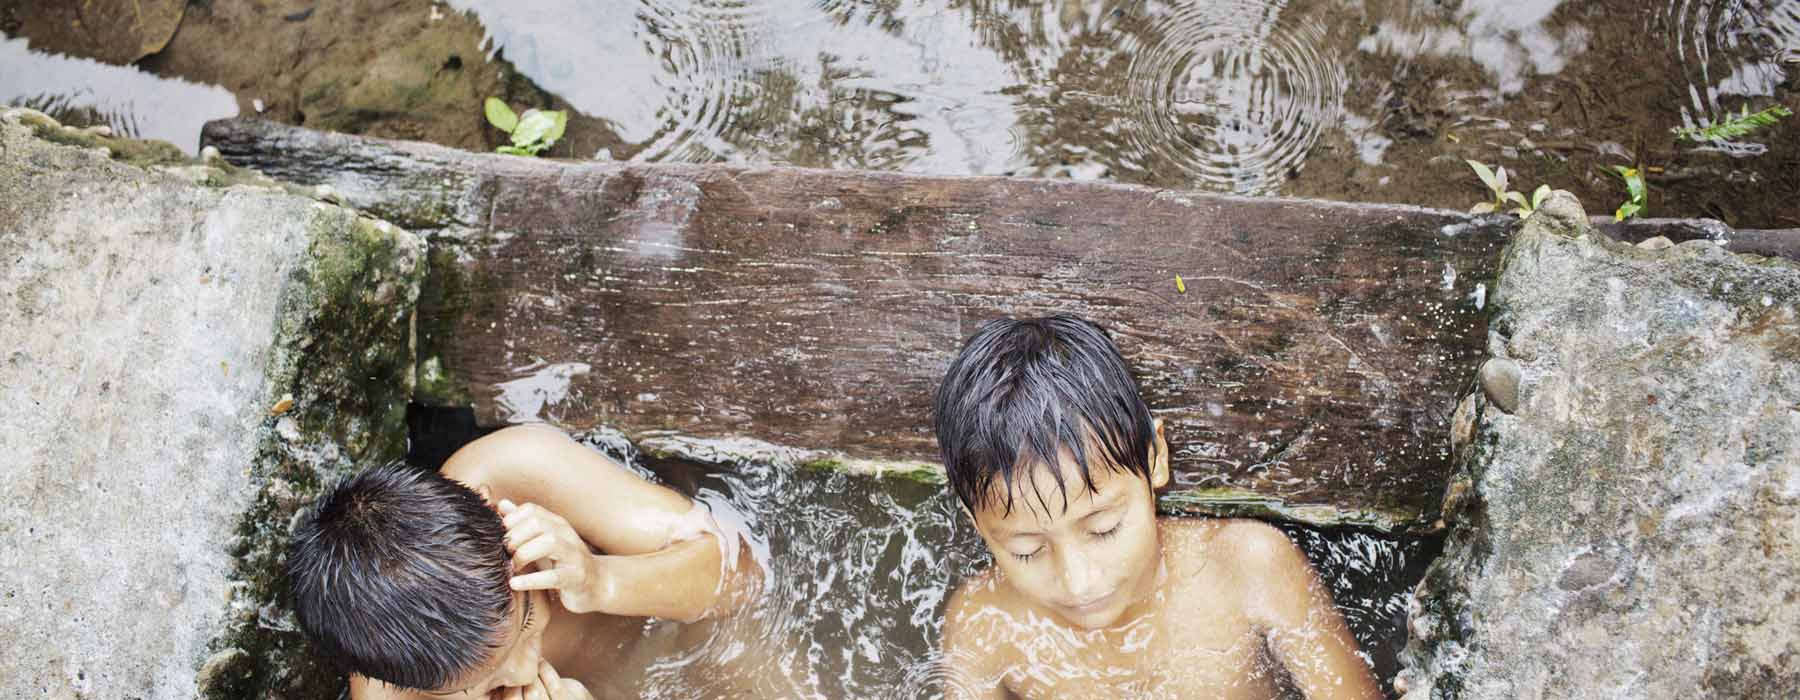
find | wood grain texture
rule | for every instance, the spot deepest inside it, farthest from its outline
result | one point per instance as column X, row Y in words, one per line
column 1307, row 371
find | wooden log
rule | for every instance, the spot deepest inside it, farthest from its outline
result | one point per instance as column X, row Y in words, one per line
column 1305, row 362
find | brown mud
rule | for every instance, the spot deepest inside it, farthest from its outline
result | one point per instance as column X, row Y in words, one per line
column 417, row 69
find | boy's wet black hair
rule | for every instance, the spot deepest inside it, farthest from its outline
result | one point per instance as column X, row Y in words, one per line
column 1021, row 391
column 400, row 574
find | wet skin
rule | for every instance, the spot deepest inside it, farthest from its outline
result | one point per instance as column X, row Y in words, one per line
column 597, row 550
column 1099, row 598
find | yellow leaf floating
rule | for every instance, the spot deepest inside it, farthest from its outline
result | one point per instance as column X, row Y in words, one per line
column 283, row 406
column 1180, row 286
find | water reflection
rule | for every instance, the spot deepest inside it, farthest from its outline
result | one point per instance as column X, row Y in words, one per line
column 1227, row 96
column 860, row 569
column 133, row 103
column 1728, row 49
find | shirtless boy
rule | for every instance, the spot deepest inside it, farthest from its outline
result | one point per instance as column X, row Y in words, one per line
column 482, row 580
column 1056, row 460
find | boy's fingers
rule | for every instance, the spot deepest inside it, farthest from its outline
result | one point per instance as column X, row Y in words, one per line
column 507, row 506
column 536, row 691
column 537, row 580
column 533, row 550
column 516, row 536
column 547, row 673
column 515, row 515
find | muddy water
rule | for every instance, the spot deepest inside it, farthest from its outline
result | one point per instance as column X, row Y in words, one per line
column 1360, row 100
column 860, row 569
column 1373, row 100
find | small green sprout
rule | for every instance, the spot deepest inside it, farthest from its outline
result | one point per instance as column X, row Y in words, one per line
column 1733, row 127
column 1634, row 187
column 532, row 133
column 1496, row 181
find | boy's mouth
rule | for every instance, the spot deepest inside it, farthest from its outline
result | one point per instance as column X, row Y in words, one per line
column 1089, row 606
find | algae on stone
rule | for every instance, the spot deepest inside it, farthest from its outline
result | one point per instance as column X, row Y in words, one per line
column 150, row 324
column 1632, row 529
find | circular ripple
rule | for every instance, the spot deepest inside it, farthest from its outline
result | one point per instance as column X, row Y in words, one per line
column 1729, row 51
column 1233, row 99
column 706, row 49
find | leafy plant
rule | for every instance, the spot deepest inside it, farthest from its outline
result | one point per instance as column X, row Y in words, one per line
column 532, row 133
column 1733, row 127
column 1635, row 189
column 1496, row 181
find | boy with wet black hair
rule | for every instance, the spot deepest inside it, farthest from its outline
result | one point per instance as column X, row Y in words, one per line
column 521, row 571
column 1056, row 460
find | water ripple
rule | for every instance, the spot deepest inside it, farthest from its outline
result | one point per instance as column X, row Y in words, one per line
column 1230, row 96
column 1728, row 51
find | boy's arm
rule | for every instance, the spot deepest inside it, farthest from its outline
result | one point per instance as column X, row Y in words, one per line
column 1304, row 630
column 561, row 486
column 608, row 505
column 973, row 664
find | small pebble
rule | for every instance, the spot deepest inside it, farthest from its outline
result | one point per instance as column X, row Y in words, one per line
column 1657, row 243
column 220, row 669
column 257, row 105
column 210, row 155
column 1500, row 381
column 288, row 429
column 1462, row 424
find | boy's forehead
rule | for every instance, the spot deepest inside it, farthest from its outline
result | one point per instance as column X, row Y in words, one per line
column 1034, row 496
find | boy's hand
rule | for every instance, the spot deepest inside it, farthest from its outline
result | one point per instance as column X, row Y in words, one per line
column 549, row 686
column 565, row 565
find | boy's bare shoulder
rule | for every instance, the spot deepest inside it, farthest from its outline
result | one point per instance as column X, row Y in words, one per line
column 1242, row 546
column 981, row 620
column 980, row 603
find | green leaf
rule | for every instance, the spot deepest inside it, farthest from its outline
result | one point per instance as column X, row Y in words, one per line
column 514, row 151
column 500, row 115
column 1628, row 210
column 556, row 132
column 533, row 127
column 1537, row 197
column 1519, row 199
column 1733, row 127
column 1500, row 189
column 1482, row 208
column 1486, row 175
column 1634, row 184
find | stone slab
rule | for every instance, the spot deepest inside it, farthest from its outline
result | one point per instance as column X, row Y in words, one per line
column 158, row 331
column 1632, row 528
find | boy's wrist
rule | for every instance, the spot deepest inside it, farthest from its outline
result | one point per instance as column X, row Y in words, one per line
column 603, row 585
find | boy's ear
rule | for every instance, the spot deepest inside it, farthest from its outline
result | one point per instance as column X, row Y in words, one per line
column 1159, row 456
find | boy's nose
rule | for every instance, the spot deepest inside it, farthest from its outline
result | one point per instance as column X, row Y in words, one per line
column 1079, row 578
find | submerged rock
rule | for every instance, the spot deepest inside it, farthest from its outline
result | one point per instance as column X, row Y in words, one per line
column 153, row 318
column 1632, row 529
column 114, row 31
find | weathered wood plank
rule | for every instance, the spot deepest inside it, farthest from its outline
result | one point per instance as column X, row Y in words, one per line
column 1306, row 372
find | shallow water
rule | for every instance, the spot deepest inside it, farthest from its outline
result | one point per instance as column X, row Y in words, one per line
column 133, row 103
column 1226, row 95
column 1373, row 100
column 860, row 569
